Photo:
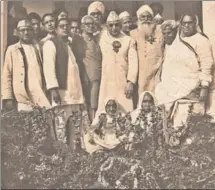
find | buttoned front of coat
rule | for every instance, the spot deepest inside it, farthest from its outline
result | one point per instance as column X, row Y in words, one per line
column 15, row 78
column 117, row 69
column 149, row 54
column 13, row 75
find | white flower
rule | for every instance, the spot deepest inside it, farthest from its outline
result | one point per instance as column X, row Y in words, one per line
column 21, row 175
column 189, row 141
column 135, row 183
column 118, row 182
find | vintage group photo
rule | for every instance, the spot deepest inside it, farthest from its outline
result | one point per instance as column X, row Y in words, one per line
column 107, row 94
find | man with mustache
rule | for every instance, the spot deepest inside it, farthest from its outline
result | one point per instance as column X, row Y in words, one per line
column 89, row 58
column 119, row 65
column 149, row 46
column 97, row 9
column 48, row 22
column 22, row 75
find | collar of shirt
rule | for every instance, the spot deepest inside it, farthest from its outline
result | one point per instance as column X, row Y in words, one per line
column 86, row 37
column 69, row 40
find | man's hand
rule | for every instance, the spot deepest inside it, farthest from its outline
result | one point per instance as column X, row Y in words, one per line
column 55, row 96
column 129, row 90
column 203, row 94
column 9, row 105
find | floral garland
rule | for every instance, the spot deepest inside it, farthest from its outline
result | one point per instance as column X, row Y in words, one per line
column 133, row 172
column 23, row 162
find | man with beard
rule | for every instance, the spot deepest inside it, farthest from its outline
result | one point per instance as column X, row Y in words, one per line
column 22, row 75
column 150, row 48
column 35, row 20
column 48, row 22
column 126, row 22
column 62, row 75
column 89, row 58
column 119, row 65
column 97, row 9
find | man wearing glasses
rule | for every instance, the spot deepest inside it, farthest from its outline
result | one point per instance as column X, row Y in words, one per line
column 89, row 58
column 119, row 66
column 62, row 73
column 97, row 9
column 22, row 76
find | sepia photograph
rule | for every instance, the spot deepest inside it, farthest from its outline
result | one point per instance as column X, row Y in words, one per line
column 110, row 94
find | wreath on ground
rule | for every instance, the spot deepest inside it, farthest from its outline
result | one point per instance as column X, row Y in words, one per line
column 30, row 159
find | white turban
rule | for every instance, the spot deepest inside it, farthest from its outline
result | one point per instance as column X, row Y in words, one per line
column 112, row 17
column 25, row 23
column 96, row 6
column 124, row 14
column 171, row 23
column 85, row 17
column 143, row 9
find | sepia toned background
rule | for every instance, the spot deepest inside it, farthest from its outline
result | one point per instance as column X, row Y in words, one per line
column 172, row 10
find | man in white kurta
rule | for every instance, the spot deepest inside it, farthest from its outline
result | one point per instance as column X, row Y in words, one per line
column 22, row 76
column 62, row 74
column 186, row 72
column 150, row 49
column 119, row 65
column 48, row 22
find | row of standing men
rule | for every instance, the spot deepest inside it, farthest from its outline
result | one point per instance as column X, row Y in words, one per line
column 108, row 61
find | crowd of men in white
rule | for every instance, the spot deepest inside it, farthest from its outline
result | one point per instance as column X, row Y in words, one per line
column 98, row 62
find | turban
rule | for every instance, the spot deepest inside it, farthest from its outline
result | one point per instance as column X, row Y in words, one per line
column 171, row 23
column 96, row 6
column 25, row 23
column 124, row 14
column 143, row 9
column 85, row 17
column 112, row 17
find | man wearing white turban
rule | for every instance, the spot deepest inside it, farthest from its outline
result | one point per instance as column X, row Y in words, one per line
column 22, row 75
column 126, row 22
column 119, row 65
column 149, row 45
column 97, row 9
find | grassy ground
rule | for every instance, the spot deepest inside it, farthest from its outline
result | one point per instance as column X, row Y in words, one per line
column 31, row 160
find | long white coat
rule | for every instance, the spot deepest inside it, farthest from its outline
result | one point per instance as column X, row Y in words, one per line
column 13, row 79
column 117, row 69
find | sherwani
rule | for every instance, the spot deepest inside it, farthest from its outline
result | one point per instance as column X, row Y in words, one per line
column 22, row 76
column 117, row 70
column 149, row 55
